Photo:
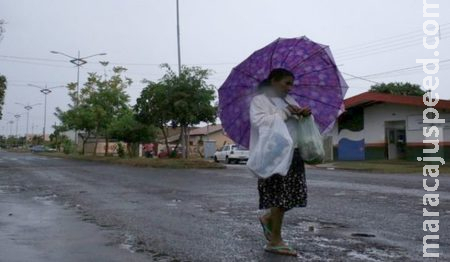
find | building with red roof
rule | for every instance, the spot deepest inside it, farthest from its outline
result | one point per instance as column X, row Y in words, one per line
column 387, row 126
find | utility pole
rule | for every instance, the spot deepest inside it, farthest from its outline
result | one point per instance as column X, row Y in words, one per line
column 178, row 37
column 17, row 116
column 11, row 123
column 78, row 61
column 184, row 129
column 27, row 107
column 46, row 91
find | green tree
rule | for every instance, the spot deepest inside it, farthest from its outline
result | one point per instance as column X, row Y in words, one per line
column 57, row 138
column 127, row 129
column 153, row 108
column 98, row 104
column 404, row 89
column 3, row 83
column 107, row 96
column 79, row 118
column 190, row 98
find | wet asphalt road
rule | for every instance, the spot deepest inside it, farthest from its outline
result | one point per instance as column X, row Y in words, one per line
column 63, row 210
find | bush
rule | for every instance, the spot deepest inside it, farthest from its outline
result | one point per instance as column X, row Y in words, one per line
column 121, row 150
column 68, row 147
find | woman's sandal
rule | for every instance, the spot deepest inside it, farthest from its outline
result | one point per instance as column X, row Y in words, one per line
column 266, row 230
column 281, row 250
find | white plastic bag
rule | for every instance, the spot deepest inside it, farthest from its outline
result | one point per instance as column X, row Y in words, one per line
column 310, row 141
column 273, row 152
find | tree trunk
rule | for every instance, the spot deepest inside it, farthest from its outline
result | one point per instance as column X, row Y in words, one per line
column 106, row 144
column 96, row 142
column 95, row 146
column 83, row 145
column 166, row 140
column 185, row 132
column 130, row 150
column 180, row 139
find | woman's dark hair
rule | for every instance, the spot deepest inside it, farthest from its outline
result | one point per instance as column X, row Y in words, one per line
column 279, row 73
column 276, row 74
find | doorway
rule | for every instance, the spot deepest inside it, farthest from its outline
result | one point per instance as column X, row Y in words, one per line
column 395, row 134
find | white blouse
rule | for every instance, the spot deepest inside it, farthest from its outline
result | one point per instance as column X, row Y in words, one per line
column 292, row 120
column 271, row 140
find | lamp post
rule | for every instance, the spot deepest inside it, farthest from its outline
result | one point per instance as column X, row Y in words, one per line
column 184, row 130
column 45, row 90
column 27, row 107
column 178, row 38
column 17, row 117
column 11, row 123
column 17, row 125
column 78, row 61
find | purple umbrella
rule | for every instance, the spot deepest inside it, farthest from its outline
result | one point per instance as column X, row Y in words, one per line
column 318, row 84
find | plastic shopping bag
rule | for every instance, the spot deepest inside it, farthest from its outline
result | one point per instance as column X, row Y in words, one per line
column 273, row 152
column 310, row 141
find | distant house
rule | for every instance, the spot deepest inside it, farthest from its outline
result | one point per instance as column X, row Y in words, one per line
column 213, row 135
column 210, row 133
column 386, row 126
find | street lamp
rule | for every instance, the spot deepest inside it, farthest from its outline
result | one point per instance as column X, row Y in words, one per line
column 28, row 107
column 11, row 123
column 78, row 62
column 45, row 90
column 17, row 117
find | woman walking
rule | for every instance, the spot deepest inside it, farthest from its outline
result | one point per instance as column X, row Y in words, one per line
column 286, row 189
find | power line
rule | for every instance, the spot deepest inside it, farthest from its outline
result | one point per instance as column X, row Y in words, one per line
column 397, row 70
column 32, row 58
column 356, row 46
column 378, row 51
column 361, row 78
column 32, row 63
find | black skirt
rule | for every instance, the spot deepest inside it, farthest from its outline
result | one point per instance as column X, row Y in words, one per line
column 287, row 191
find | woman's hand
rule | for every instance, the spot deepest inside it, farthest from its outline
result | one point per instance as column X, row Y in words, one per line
column 306, row 111
column 295, row 110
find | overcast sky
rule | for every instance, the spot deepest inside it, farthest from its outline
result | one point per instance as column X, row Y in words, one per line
column 366, row 37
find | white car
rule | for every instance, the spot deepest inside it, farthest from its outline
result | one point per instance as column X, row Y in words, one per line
column 231, row 153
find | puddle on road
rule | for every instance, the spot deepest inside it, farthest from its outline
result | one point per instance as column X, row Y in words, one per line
column 222, row 212
column 362, row 235
column 173, row 203
column 362, row 257
column 133, row 244
column 12, row 189
column 46, row 199
column 335, row 240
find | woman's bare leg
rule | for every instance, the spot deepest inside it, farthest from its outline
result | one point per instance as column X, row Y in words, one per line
column 276, row 219
column 267, row 219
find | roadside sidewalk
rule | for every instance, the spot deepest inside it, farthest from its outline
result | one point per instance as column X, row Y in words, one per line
column 379, row 166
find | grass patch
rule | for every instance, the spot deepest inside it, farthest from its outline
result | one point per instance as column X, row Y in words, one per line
column 385, row 166
column 145, row 162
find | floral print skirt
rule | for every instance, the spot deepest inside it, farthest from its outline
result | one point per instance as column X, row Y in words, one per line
column 287, row 191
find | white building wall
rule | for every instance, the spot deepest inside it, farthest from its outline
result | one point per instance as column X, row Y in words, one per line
column 375, row 117
column 374, row 124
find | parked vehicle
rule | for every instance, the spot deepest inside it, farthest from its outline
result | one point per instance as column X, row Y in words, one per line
column 231, row 153
column 41, row 148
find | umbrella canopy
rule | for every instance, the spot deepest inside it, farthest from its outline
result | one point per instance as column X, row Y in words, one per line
column 318, row 84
